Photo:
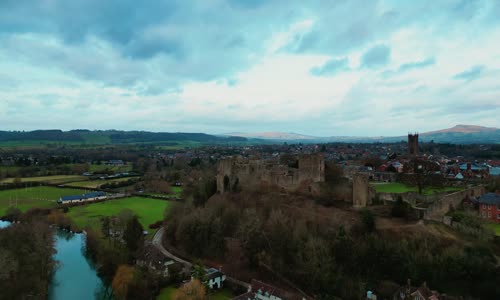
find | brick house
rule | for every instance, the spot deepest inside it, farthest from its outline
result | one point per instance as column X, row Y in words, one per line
column 489, row 207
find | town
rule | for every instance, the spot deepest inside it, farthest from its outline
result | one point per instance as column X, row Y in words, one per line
column 217, row 217
column 249, row 150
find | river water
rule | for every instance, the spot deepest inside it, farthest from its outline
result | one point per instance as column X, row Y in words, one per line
column 75, row 278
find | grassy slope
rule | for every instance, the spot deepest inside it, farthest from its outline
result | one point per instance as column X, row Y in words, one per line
column 167, row 293
column 402, row 188
column 41, row 197
column 494, row 227
column 176, row 190
column 56, row 179
column 148, row 210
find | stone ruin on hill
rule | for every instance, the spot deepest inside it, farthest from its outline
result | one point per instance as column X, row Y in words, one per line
column 238, row 173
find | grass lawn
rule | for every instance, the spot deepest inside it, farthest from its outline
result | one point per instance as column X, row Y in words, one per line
column 96, row 183
column 56, row 179
column 176, row 190
column 148, row 210
column 166, row 293
column 494, row 227
column 40, row 196
column 402, row 188
column 223, row 294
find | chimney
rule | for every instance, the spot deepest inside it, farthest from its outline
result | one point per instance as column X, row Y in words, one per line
column 425, row 284
column 469, row 166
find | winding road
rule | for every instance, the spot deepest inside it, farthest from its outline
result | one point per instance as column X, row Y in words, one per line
column 157, row 242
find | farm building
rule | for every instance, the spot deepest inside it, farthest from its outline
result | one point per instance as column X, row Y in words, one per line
column 93, row 196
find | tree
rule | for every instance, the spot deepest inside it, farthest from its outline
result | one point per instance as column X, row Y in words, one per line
column 133, row 235
column 199, row 272
column 123, row 278
column 425, row 174
column 193, row 290
column 368, row 220
column 106, row 226
column 12, row 213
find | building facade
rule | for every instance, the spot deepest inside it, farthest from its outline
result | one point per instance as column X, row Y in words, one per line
column 489, row 207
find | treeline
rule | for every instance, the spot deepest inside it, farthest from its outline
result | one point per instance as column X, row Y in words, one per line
column 103, row 137
column 40, row 135
column 115, row 249
column 26, row 260
column 325, row 258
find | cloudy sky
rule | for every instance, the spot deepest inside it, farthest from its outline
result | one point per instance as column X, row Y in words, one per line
column 313, row 67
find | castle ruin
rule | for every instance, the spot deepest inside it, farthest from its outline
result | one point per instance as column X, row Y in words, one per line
column 360, row 191
column 236, row 173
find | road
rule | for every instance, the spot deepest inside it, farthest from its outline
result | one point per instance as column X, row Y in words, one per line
column 157, row 242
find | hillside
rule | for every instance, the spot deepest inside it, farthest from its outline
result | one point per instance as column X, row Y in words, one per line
column 107, row 137
column 459, row 134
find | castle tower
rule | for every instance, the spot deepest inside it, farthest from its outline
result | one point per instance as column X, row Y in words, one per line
column 413, row 144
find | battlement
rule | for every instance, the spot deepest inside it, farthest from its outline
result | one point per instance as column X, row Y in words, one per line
column 234, row 173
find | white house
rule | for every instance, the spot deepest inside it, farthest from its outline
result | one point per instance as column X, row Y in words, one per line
column 215, row 278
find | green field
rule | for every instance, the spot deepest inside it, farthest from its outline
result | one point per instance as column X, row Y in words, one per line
column 148, row 210
column 56, row 179
column 494, row 227
column 96, row 183
column 169, row 292
column 26, row 198
column 402, row 188
column 177, row 191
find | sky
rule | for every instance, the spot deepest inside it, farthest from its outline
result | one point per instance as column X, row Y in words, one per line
column 323, row 68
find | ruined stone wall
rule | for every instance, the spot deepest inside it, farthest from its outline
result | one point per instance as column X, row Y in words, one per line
column 259, row 174
column 439, row 208
column 360, row 191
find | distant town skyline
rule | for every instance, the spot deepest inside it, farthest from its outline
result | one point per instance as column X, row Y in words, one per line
column 320, row 68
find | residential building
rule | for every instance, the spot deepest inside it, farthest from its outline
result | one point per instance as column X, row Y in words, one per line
column 263, row 291
column 215, row 278
column 489, row 207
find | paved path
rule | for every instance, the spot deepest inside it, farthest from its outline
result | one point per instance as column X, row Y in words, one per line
column 157, row 242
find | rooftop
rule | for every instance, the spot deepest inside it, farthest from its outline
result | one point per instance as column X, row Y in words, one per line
column 490, row 198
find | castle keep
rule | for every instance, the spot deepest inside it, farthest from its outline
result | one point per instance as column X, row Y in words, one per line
column 235, row 173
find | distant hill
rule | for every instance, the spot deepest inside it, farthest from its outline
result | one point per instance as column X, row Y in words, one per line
column 459, row 134
column 272, row 135
column 82, row 136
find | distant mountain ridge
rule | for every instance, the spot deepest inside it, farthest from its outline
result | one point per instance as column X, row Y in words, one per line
column 459, row 134
column 83, row 136
column 463, row 129
column 273, row 135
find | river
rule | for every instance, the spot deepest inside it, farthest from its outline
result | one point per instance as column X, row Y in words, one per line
column 75, row 278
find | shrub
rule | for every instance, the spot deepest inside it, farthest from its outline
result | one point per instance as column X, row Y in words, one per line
column 368, row 220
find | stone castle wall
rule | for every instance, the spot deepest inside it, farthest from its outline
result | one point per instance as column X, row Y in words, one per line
column 439, row 208
column 250, row 174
